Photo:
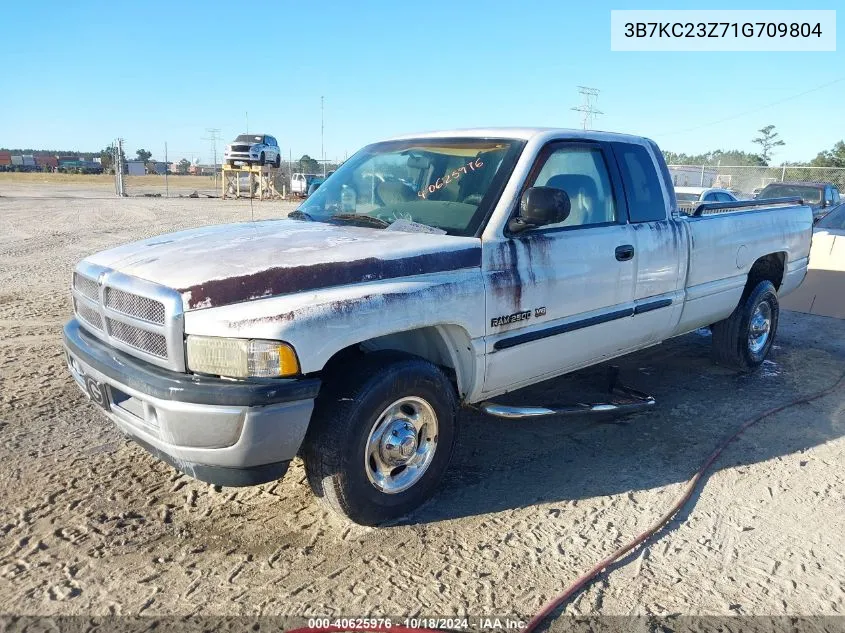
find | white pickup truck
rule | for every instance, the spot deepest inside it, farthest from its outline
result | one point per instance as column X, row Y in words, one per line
column 478, row 262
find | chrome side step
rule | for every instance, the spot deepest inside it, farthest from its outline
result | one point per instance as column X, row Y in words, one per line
column 625, row 400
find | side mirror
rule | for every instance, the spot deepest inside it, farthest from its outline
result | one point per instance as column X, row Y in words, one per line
column 540, row 206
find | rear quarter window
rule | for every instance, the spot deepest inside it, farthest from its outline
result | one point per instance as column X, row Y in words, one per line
column 642, row 186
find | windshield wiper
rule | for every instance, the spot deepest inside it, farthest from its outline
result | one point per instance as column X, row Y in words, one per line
column 296, row 214
column 365, row 220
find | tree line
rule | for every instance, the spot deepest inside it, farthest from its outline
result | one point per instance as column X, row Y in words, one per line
column 768, row 140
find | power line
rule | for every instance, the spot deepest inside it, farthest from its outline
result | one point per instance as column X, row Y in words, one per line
column 752, row 111
column 213, row 136
column 587, row 109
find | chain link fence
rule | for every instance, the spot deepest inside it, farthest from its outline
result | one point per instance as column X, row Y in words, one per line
column 746, row 179
column 205, row 184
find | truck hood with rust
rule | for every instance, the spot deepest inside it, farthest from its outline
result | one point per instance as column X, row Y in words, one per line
column 230, row 263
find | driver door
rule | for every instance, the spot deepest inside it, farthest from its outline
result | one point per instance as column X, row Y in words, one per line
column 559, row 296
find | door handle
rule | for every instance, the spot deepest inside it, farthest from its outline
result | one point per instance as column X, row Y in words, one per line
column 624, row 252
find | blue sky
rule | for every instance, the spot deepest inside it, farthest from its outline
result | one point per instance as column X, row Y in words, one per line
column 75, row 75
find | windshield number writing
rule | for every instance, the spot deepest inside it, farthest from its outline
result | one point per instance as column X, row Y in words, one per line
column 455, row 175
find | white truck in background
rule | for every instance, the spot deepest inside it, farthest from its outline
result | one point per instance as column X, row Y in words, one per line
column 479, row 262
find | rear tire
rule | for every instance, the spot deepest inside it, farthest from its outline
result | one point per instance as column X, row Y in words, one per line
column 381, row 436
column 743, row 340
column 278, row 162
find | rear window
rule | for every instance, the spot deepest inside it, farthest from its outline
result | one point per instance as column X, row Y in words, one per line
column 642, row 188
column 834, row 220
column 809, row 194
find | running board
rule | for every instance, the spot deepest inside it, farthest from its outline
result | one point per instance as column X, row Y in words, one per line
column 624, row 400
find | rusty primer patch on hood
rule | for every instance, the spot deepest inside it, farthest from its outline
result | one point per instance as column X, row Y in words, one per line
column 285, row 280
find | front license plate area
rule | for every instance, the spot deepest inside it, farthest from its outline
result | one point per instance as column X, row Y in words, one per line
column 98, row 392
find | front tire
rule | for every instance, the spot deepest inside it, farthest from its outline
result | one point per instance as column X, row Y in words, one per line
column 262, row 159
column 381, row 436
column 743, row 340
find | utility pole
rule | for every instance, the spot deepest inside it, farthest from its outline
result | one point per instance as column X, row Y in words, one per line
column 322, row 134
column 118, row 171
column 166, row 169
column 587, row 108
column 213, row 136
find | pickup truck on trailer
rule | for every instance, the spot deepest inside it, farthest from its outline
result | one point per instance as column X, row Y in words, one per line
column 479, row 262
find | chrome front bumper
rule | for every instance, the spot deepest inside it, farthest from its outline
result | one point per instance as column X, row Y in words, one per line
column 231, row 433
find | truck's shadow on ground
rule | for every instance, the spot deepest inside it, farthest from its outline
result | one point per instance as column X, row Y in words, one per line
column 501, row 465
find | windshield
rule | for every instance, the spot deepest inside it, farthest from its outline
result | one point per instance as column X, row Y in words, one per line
column 809, row 194
column 248, row 138
column 686, row 197
column 447, row 184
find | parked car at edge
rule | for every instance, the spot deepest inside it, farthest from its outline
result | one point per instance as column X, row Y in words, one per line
column 689, row 197
column 351, row 332
column 315, row 184
column 821, row 197
column 253, row 149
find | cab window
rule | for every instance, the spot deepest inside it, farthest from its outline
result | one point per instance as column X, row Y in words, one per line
column 582, row 173
column 642, row 187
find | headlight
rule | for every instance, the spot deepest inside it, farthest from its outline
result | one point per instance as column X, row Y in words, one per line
column 241, row 358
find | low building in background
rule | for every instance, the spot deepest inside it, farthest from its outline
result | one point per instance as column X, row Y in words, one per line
column 693, row 175
column 135, row 168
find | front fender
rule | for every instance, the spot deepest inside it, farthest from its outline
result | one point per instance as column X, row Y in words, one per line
column 319, row 324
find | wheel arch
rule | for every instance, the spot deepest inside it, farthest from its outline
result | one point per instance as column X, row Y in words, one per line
column 448, row 346
column 770, row 267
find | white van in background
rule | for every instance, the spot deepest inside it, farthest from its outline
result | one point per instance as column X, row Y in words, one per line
column 299, row 183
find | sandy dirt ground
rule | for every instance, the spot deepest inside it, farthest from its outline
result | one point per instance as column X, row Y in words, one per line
column 92, row 525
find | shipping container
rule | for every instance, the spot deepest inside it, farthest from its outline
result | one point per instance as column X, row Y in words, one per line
column 28, row 160
column 5, row 158
column 17, row 159
column 46, row 161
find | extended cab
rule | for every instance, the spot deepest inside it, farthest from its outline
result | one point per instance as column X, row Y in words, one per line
column 427, row 273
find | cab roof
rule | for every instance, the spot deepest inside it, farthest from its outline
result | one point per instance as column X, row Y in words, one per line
column 523, row 134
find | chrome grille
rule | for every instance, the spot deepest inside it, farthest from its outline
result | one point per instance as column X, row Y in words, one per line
column 136, row 306
column 89, row 315
column 149, row 342
column 134, row 315
column 86, row 287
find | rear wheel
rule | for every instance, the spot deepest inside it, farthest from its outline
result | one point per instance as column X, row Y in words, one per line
column 278, row 162
column 743, row 340
column 381, row 439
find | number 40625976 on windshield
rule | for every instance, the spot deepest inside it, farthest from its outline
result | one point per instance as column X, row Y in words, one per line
column 455, row 175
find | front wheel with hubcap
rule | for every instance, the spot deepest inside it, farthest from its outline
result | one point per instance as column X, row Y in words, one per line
column 744, row 339
column 380, row 440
